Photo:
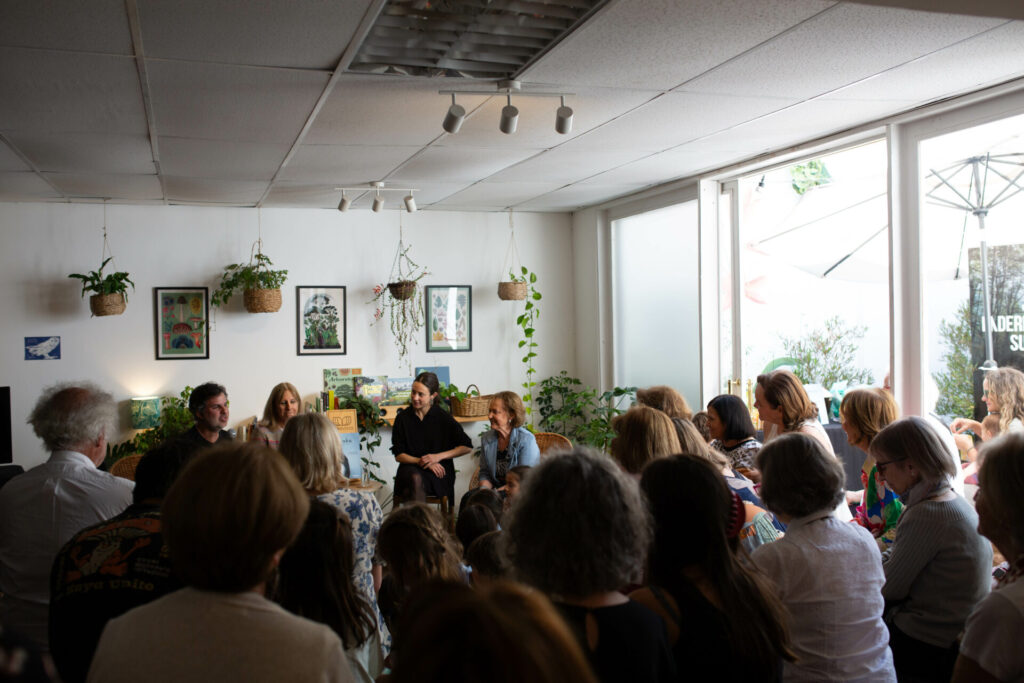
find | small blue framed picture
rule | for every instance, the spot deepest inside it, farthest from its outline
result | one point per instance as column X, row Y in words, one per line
column 42, row 348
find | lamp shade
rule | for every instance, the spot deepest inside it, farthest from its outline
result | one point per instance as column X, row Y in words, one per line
column 145, row 412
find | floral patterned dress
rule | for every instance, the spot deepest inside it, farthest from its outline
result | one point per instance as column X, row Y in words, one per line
column 881, row 508
column 364, row 512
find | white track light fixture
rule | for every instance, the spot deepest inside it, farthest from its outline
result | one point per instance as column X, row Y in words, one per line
column 453, row 119
column 509, row 118
column 344, row 203
column 410, row 203
column 378, row 203
column 376, row 190
column 563, row 118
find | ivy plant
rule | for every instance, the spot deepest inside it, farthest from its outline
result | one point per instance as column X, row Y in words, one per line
column 527, row 322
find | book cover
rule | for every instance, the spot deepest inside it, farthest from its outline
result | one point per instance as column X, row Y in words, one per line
column 372, row 388
column 443, row 373
column 341, row 382
column 399, row 389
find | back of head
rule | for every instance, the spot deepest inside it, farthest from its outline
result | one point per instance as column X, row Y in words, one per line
column 734, row 416
column 642, row 434
column 692, row 442
column 700, row 421
column 228, row 513
column 1002, row 488
column 578, row 500
column 666, row 399
column 415, row 543
column 473, row 522
column 486, row 557
column 869, row 410
column 489, row 498
column 276, row 396
column 784, row 390
column 311, row 446
column 159, row 468
column 799, row 477
column 503, row 633
column 69, row 416
column 203, row 393
column 991, row 424
column 914, row 439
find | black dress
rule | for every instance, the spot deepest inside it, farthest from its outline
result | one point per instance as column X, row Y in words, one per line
column 436, row 432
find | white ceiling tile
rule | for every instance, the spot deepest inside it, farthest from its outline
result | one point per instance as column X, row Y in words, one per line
column 566, row 164
column 93, row 26
column 576, row 197
column 235, row 192
column 657, row 168
column 463, row 164
column 24, row 186
column 86, row 152
column 658, row 44
column 217, row 102
column 69, row 92
column 499, row 196
column 220, row 159
column 344, row 164
column 309, row 35
column 838, row 47
column 99, row 185
column 9, row 161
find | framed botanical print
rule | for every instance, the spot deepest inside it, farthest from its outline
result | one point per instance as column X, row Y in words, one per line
column 449, row 314
column 320, row 321
column 182, row 318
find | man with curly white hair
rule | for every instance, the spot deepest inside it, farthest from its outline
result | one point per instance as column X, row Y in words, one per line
column 43, row 508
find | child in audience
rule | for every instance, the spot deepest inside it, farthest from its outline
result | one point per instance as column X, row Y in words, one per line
column 486, row 560
column 474, row 521
column 513, row 482
column 700, row 421
column 989, row 430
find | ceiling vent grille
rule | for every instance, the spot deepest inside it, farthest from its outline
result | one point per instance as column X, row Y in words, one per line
column 489, row 39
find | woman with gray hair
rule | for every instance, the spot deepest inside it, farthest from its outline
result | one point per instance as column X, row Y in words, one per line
column 938, row 567
column 582, row 501
column 827, row 572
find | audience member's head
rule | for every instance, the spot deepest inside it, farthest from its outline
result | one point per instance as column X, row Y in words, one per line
column 203, row 393
column 1000, row 498
column 311, row 446
column 232, row 511
column 729, row 418
column 578, row 500
column 780, row 397
column 503, row 633
column 315, row 577
column 908, row 452
column 700, row 421
column 1004, row 394
column 474, row 521
column 485, row 557
column 666, row 399
column 513, row 407
column 489, row 498
column 990, row 427
column 415, row 545
column 799, row 477
column 514, row 480
column 159, row 468
column 75, row 417
column 691, row 442
column 282, row 405
column 865, row 412
column 642, row 434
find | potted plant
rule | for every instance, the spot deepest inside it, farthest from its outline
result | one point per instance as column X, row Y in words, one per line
column 514, row 289
column 175, row 418
column 369, row 421
column 110, row 292
column 527, row 322
column 261, row 286
column 399, row 297
column 570, row 408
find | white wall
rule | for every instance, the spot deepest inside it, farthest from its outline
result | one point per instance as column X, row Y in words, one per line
column 189, row 246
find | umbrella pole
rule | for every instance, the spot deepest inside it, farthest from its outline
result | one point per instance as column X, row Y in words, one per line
column 980, row 213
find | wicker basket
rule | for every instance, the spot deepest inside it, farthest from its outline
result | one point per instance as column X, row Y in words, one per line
column 511, row 291
column 107, row 304
column 471, row 406
column 402, row 290
column 262, row 300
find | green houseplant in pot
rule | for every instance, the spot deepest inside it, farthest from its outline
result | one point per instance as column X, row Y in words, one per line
column 109, row 292
column 259, row 283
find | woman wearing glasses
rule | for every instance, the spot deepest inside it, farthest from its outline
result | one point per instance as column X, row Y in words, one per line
column 938, row 567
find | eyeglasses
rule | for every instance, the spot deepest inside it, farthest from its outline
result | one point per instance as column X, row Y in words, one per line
column 882, row 465
column 987, row 392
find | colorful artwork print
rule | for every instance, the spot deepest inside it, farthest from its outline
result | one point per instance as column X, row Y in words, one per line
column 320, row 321
column 449, row 318
column 341, row 381
column 42, row 348
column 182, row 322
column 443, row 373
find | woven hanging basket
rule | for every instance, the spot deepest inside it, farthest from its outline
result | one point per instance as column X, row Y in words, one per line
column 511, row 291
column 107, row 304
column 262, row 300
column 402, row 290
column 471, row 406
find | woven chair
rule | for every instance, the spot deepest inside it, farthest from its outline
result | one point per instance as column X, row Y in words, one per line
column 549, row 442
column 125, row 467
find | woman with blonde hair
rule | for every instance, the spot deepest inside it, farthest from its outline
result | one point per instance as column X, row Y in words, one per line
column 641, row 435
column 667, row 400
column 282, row 405
column 1003, row 396
column 784, row 407
column 311, row 446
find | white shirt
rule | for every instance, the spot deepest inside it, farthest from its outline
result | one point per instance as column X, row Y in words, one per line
column 995, row 631
column 829, row 576
column 40, row 511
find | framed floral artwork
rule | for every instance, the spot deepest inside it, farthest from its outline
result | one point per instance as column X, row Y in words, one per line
column 449, row 317
column 182, row 322
column 320, row 321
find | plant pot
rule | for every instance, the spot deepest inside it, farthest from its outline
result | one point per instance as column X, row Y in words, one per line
column 262, row 300
column 107, row 304
column 402, row 290
column 511, row 291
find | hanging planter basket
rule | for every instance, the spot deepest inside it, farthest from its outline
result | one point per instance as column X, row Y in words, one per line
column 511, row 291
column 262, row 300
column 402, row 290
column 107, row 304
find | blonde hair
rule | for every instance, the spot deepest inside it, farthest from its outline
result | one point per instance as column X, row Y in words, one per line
column 513, row 406
column 1007, row 385
column 783, row 390
column 869, row 410
column 666, row 399
column 276, row 396
column 991, row 423
column 311, row 446
column 643, row 434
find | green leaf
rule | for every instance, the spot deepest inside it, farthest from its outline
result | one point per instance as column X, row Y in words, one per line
column 528, row 332
column 522, row 343
column 533, row 278
column 536, row 296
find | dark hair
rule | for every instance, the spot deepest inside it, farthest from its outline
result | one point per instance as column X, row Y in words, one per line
column 700, row 423
column 429, row 380
column 484, row 555
column 520, row 471
column 734, row 416
column 489, row 498
column 203, row 393
column 474, row 521
column 784, row 390
column 691, row 506
column 798, row 476
column 503, row 633
column 160, row 467
column 315, row 577
column 415, row 544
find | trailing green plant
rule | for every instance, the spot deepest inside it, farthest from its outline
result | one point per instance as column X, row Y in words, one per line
column 369, row 422
column 450, row 391
column 811, row 174
column 527, row 322
column 569, row 407
column 404, row 312
column 175, row 419
column 98, row 283
column 257, row 274
column 826, row 355
column 956, row 382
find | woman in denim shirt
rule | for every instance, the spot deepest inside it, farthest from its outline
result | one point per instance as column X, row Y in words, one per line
column 508, row 444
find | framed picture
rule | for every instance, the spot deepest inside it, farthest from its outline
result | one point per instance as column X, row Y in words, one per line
column 320, row 321
column 449, row 318
column 182, row 316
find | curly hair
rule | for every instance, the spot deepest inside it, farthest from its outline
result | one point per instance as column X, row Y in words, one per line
column 666, row 399
column 69, row 416
column 276, row 396
column 579, row 500
column 1007, row 385
column 798, row 476
column 784, row 390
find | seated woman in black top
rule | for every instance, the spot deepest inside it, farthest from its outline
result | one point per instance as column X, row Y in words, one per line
column 424, row 441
